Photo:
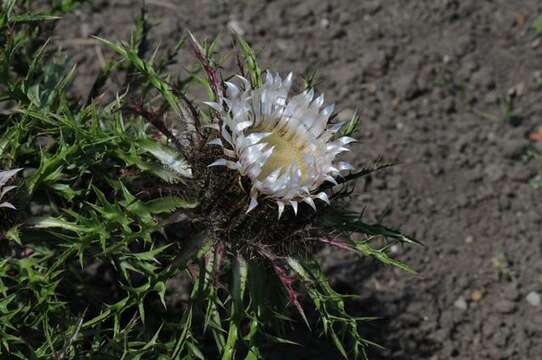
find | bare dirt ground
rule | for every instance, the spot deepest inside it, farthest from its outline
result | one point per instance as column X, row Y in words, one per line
column 448, row 88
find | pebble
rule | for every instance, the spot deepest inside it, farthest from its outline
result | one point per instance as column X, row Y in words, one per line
column 324, row 23
column 533, row 298
column 476, row 295
column 461, row 303
column 235, row 27
column 371, row 88
column 517, row 90
column 469, row 239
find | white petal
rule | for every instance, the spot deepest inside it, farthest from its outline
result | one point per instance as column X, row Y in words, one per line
column 6, row 175
column 280, row 205
column 335, row 127
column 6, row 189
column 294, row 206
column 335, row 149
column 230, row 153
column 216, row 141
column 278, row 80
column 288, row 80
column 268, row 77
column 253, row 200
column 309, row 201
column 332, row 180
column 7, row 205
column 323, row 196
column 245, row 81
column 255, row 138
column 227, row 163
column 344, row 166
column 319, row 101
column 271, row 178
column 309, row 94
column 328, row 110
column 243, row 125
column 232, row 90
column 214, row 105
column 211, row 126
column 226, row 135
column 345, row 140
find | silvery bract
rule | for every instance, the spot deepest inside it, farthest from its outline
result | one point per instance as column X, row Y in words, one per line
column 283, row 144
column 5, row 176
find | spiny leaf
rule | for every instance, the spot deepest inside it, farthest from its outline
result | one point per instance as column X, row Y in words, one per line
column 148, row 71
column 168, row 204
column 254, row 71
column 351, row 126
column 167, row 156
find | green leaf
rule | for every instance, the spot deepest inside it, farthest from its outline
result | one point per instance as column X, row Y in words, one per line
column 57, row 222
column 168, row 204
column 148, row 71
column 14, row 234
column 351, row 126
column 167, row 156
column 381, row 255
column 239, row 283
column 97, row 319
column 254, row 71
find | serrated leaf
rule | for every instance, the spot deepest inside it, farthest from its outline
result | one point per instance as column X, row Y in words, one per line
column 168, row 204
column 58, row 222
column 14, row 234
column 167, row 156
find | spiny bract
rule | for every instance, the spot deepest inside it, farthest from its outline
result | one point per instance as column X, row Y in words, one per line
column 283, row 144
column 5, row 177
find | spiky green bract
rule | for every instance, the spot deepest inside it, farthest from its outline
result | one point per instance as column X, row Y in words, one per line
column 130, row 246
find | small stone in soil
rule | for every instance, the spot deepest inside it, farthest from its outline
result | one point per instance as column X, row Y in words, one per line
column 533, row 298
column 461, row 303
column 476, row 295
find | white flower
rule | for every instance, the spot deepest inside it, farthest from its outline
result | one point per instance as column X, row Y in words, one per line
column 283, row 144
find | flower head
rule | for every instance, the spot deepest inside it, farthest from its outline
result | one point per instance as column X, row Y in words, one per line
column 283, row 144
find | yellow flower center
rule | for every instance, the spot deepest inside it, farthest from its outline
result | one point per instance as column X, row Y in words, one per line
column 286, row 151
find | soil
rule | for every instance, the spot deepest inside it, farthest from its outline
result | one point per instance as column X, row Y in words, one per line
column 448, row 88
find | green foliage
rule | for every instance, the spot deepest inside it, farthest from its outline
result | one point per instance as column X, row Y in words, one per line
column 351, row 126
column 249, row 57
column 106, row 231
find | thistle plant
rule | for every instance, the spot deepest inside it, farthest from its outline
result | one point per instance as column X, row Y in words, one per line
column 233, row 196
